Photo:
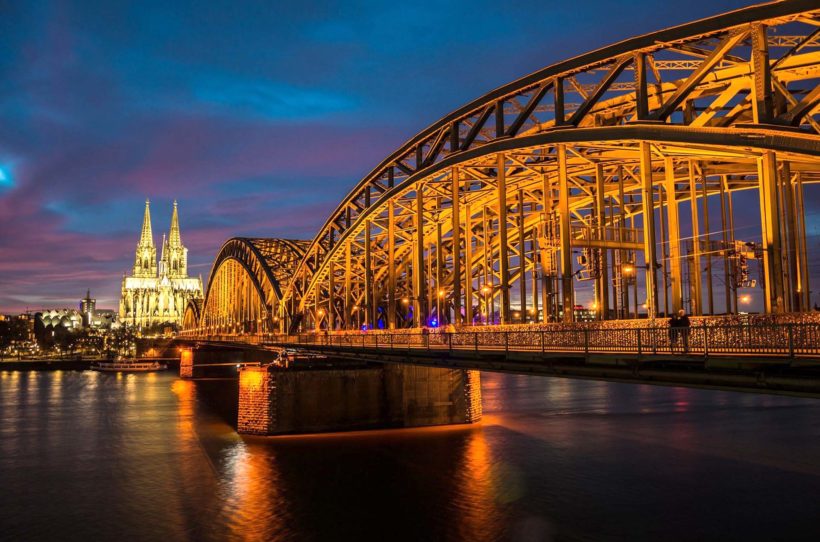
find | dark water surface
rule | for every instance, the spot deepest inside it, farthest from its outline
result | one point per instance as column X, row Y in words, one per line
column 90, row 456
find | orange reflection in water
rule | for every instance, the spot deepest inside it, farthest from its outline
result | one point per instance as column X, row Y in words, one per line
column 478, row 512
column 252, row 505
column 186, row 396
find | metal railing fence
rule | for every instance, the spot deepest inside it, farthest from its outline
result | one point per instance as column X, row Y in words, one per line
column 784, row 339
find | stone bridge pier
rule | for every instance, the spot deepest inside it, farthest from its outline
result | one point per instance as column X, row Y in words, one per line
column 335, row 395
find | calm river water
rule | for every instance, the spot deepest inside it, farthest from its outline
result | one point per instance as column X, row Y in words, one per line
column 89, row 456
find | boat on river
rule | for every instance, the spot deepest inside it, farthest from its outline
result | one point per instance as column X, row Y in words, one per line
column 128, row 366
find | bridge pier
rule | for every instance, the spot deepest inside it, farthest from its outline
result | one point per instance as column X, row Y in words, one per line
column 274, row 401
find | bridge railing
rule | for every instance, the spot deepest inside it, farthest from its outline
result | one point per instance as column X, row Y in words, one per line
column 788, row 339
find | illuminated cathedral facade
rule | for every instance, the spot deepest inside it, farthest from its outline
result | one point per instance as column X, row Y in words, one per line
column 158, row 292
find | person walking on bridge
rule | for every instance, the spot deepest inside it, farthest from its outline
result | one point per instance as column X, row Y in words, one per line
column 683, row 329
column 674, row 331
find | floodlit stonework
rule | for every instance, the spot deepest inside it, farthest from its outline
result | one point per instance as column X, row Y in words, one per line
column 157, row 294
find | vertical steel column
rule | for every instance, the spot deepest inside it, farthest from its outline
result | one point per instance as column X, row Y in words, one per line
column 391, row 265
column 456, row 251
column 696, row 297
column 317, row 319
column 546, row 254
column 664, row 258
column 441, row 303
column 710, row 298
column 622, row 282
column 522, row 257
column 761, row 76
column 802, row 254
column 534, row 274
column 725, row 252
column 602, row 282
column 650, row 256
column 503, row 249
column 641, row 95
column 348, row 285
column 731, row 217
column 489, row 282
column 368, row 280
column 793, row 285
column 468, row 265
column 418, row 261
column 770, row 229
column 331, row 304
column 566, row 251
column 558, row 100
column 615, row 259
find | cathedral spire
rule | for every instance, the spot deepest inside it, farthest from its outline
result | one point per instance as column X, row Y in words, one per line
column 146, row 237
column 174, row 239
column 145, row 260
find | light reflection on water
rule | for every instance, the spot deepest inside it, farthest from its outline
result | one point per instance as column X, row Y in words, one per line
column 96, row 456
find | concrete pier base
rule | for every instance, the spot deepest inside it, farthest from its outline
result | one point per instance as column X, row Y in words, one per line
column 275, row 401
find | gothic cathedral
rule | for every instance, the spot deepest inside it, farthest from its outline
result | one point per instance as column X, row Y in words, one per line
column 158, row 294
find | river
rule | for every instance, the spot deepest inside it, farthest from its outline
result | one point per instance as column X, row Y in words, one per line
column 91, row 456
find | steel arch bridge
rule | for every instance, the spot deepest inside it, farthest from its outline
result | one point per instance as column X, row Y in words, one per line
column 245, row 286
column 606, row 168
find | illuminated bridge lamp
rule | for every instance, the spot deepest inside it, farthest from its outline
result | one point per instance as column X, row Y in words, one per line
column 746, row 299
column 405, row 300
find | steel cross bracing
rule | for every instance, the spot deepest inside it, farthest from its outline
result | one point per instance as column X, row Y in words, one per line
column 245, row 284
column 496, row 211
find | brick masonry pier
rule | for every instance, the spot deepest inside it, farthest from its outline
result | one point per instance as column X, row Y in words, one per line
column 275, row 401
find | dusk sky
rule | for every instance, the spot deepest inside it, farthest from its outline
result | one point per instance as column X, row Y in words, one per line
column 257, row 116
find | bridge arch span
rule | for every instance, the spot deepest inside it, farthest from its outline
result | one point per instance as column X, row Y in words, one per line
column 244, row 290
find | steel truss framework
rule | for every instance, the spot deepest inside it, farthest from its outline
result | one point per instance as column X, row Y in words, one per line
column 245, row 285
column 477, row 218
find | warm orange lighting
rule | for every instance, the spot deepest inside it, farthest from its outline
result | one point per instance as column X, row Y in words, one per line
column 485, row 290
column 321, row 312
column 405, row 300
column 355, row 307
column 746, row 299
column 250, row 379
column 441, row 293
column 628, row 269
column 595, row 305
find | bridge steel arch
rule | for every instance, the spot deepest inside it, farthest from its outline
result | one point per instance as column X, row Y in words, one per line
column 618, row 168
column 483, row 212
column 244, row 290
